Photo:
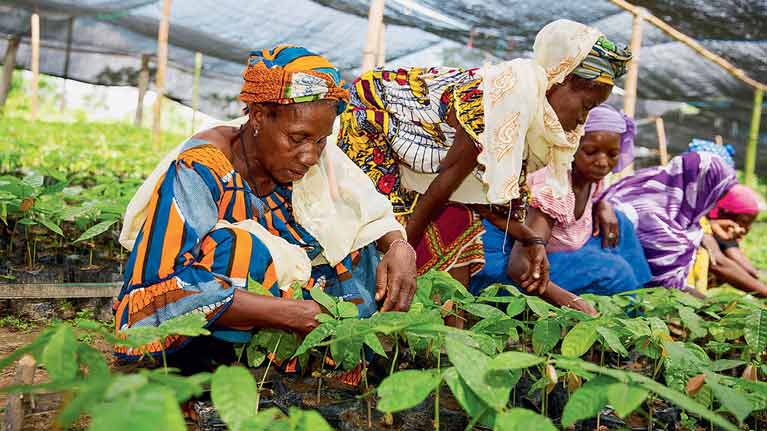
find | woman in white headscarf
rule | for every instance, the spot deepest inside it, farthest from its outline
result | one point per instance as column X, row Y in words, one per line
column 451, row 146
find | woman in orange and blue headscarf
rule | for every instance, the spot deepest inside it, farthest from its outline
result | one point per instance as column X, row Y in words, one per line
column 239, row 222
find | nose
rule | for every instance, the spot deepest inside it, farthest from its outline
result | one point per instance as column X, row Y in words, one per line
column 601, row 162
column 310, row 156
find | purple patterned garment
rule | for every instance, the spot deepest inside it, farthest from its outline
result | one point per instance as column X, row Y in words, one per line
column 666, row 203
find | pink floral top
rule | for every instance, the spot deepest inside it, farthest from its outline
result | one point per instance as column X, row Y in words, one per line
column 568, row 233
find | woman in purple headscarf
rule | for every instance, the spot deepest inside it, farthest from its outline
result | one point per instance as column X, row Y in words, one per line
column 591, row 248
column 666, row 203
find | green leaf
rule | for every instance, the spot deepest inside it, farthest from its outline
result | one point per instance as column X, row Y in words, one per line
column 523, row 419
column 693, row 322
column 346, row 347
column 234, row 394
column 516, row 306
column 636, row 327
column 255, row 287
column 484, row 311
column 658, row 328
column 539, row 306
column 756, row 330
column 469, row 401
column 586, row 402
column 95, row 230
column 316, row 336
column 612, row 340
column 514, row 361
column 725, row 364
column 325, row 300
column 625, row 398
column 51, row 225
column 347, row 310
column 256, row 355
column 732, row 400
column 372, row 341
column 306, row 420
column 493, row 387
column 546, row 335
column 184, row 387
column 60, row 354
column 406, row 389
column 580, row 339
column 152, row 408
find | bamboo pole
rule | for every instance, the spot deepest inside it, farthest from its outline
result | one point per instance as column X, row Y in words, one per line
column 753, row 137
column 143, row 84
column 692, row 43
column 67, row 58
column 9, row 64
column 35, row 65
column 662, row 145
column 196, row 88
column 381, row 47
column 375, row 21
column 632, row 77
column 719, row 140
column 162, row 61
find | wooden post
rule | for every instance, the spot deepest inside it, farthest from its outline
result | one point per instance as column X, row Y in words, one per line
column 753, row 138
column 162, row 61
column 662, row 146
column 67, row 56
column 632, row 77
column 381, row 47
column 143, row 84
column 14, row 409
column 196, row 89
column 35, row 64
column 9, row 64
column 375, row 21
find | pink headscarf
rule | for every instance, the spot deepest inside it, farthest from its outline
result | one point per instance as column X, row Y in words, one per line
column 605, row 118
column 739, row 200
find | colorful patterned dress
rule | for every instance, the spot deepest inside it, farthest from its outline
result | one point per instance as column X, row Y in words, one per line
column 400, row 117
column 182, row 263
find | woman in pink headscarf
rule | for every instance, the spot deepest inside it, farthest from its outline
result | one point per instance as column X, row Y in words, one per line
column 731, row 220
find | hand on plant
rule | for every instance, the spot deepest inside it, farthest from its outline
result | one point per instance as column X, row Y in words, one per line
column 306, row 318
column 535, row 280
column 395, row 277
column 578, row 303
column 606, row 223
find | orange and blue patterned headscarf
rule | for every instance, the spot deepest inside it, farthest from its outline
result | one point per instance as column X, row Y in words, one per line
column 291, row 74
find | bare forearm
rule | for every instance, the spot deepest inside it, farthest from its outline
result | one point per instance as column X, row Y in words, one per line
column 730, row 272
column 737, row 255
column 250, row 311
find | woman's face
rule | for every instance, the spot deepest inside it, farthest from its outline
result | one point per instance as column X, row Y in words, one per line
column 574, row 98
column 291, row 138
column 597, row 155
column 744, row 220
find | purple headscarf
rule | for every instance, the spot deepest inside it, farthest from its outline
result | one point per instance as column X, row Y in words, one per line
column 605, row 118
column 666, row 203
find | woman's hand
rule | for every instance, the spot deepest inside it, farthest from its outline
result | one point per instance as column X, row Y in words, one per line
column 578, row 303
column 395, row 277
column 536, row 278
column 306, row 319
column 606, row 223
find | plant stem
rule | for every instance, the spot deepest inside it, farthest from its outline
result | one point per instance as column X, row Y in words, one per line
column 367, row 388
column 263, row 379
column 319, row 380
column 396, row 355
column 436, row 396
column 164, row 358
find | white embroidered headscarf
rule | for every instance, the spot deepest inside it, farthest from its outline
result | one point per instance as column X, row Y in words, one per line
column 520, row 123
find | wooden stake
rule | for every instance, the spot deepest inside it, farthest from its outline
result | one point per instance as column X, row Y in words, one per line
column 162, row 61
column 35, row 64
column 632, row 77
column 14, row 410
column 375, row 21
column 753, row 138
column 662, row 146
column 9, row 64
column 143, row 84
column 67, row 56
column 692, row 43
column 381, row 47
column 196, row 89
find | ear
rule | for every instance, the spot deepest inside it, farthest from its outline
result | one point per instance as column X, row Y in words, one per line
column 257, row 115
